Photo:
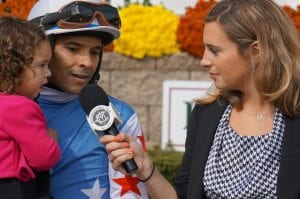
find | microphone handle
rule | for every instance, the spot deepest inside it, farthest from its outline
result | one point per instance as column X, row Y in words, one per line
column 130, row 166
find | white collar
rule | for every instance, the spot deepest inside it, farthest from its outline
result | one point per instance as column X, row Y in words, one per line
column 56, row 95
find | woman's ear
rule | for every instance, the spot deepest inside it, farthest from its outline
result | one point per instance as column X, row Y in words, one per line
column 255, row 50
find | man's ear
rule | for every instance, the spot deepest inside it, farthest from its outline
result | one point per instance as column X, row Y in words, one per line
column 255, row 50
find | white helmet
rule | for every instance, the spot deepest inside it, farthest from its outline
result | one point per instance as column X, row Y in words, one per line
column 48, row 12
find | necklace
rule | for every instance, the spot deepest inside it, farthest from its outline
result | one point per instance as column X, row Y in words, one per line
column 258, row 116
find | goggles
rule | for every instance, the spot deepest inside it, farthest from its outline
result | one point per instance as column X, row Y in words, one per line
column 79, row 14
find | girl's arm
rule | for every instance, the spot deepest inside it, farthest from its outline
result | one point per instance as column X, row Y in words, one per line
column 25, row 123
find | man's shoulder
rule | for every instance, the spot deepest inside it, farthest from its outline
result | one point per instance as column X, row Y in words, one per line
column 120, row 104
column 123, row 108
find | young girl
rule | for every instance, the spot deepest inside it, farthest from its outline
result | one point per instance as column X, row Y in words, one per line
column 26, row 144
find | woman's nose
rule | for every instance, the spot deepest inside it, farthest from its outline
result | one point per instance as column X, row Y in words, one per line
column 205, row 63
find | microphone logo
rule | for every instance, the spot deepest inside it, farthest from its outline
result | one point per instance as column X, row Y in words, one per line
column 101, row 117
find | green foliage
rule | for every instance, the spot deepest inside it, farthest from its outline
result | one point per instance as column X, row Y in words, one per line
column 168, row 162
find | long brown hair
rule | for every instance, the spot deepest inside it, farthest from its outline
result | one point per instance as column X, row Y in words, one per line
column 277, row 76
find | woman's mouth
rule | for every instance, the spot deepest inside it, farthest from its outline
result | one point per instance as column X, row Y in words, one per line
column 213, row 75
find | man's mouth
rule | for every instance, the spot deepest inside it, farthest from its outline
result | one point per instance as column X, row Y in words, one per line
column 81, row 76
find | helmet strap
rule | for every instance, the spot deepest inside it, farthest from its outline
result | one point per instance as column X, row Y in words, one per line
column 96, row 75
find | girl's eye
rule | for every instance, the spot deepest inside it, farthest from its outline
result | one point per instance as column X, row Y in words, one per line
column 43, row 65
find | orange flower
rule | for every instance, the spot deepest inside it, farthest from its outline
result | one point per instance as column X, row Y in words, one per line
column 190, row 29
column 294, row 14
column 17, row 8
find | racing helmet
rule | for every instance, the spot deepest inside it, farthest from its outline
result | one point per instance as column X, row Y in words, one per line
column 94, row 17
column 82, row 17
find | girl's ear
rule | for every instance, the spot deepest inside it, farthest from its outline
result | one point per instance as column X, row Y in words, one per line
column 255, row 50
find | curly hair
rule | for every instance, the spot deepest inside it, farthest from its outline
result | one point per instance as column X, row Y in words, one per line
column 18, row 42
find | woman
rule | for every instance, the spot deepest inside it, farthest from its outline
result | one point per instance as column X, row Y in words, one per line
column 243, row 139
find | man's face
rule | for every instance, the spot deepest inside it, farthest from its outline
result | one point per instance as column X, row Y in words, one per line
column 74, row 61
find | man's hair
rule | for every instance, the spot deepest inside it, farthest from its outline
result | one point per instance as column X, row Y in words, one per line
column 18, row 43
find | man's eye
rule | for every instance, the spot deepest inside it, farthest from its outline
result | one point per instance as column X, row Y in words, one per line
column 72, row 49
column 95, row 53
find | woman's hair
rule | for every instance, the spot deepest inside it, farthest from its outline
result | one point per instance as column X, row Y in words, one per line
column 18, row 44
column 278, row 72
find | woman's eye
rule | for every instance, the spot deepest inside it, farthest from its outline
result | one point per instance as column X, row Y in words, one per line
column 214, row 51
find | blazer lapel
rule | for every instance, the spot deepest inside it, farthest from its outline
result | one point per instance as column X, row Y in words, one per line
column 208, row 122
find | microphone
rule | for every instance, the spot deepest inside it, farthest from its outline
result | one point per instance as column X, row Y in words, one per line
column 102, row 116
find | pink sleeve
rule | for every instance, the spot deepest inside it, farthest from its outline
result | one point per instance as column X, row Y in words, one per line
column 25, row 123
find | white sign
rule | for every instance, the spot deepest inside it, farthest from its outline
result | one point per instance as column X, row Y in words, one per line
column 178, row 99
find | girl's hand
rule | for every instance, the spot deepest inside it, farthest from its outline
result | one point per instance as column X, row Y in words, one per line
column 53, row 134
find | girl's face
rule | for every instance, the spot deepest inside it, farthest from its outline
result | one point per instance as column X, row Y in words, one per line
column 74, row 61
column 227, row 67
column 33, row 78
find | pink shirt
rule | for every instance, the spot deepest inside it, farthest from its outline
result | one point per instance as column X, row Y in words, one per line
column 24, row 141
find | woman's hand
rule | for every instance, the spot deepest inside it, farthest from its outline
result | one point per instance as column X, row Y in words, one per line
column 124, row 147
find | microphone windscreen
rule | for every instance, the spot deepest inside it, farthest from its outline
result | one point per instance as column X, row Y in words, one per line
column 92, row 95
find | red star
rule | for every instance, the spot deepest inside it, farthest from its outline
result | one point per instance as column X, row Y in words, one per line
column 142, row 139
column 128, row 183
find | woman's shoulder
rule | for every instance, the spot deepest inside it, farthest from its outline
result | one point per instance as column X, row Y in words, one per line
column 219, row 104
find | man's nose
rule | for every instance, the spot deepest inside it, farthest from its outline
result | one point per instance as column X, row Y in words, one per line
column 85, row 60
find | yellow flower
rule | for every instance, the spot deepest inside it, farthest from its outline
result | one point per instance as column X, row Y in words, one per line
column 147, row 31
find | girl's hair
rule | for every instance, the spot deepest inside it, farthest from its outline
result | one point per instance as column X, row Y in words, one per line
column 18, row 44
column 277, row 75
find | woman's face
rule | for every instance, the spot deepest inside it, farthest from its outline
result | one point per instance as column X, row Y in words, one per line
column 74, row 61
column 34, row 77
column 227, row 67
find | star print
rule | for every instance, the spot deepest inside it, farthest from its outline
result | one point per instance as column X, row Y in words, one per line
column 128, row 183
column 96, row 192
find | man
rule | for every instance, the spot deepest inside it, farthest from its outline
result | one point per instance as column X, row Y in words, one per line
column 78, row 31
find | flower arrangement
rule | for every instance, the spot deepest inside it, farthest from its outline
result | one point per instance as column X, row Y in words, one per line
column 147, row 31
column 294, row 14
column 190, row 29
column 152, row 31
column 18, row 8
